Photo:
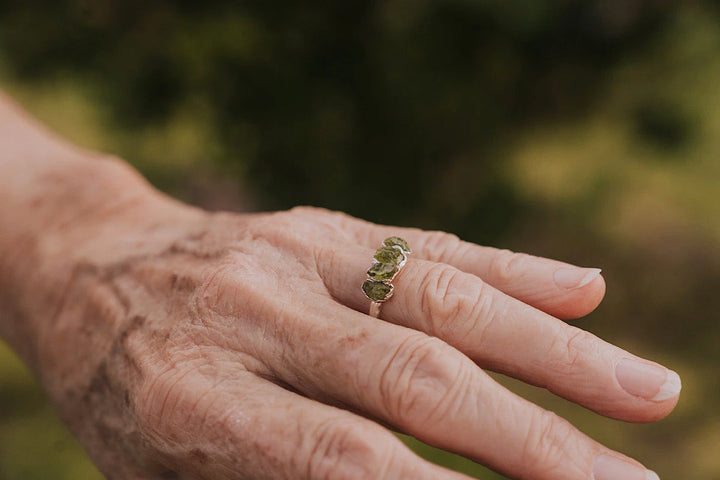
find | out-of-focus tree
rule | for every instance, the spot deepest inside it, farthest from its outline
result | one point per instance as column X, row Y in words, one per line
column 366, row 106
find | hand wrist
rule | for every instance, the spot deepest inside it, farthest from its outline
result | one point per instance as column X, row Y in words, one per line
column 51, row 201
column 40, row 205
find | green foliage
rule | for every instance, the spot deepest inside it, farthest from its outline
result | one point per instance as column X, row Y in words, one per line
column 312, row 97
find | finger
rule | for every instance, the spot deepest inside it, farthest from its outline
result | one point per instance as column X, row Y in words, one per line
column 511, row 337
column 560, row 289
column 426, row 388
column 222, row 426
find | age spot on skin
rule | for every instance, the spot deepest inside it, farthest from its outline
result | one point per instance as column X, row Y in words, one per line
column 199, row 456
column 354, row 339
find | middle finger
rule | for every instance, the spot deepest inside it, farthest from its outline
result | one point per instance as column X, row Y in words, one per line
column 427, row 389
column 508, row 336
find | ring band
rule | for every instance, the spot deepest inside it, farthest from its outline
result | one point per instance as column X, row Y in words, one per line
column 387, row 262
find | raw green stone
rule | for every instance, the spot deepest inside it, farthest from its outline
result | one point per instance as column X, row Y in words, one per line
column 391, row 241
column 377, row 291
column 382, row 271
column 389, row 255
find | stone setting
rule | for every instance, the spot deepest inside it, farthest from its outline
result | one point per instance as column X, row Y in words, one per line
column 389, row 255
column 387, row 263
column 397, row 242
column 377, row 291
column 382, row 271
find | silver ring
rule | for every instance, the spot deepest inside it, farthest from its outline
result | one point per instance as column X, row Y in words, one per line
column 387, row 263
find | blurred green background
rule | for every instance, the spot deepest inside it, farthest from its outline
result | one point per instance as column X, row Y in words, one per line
column 585, row 131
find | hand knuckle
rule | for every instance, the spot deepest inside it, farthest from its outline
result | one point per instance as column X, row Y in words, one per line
column 306, row 228
column 158, row 398
column 438, row 287
column 421, row 382
column 303, row 211
column 568, row 351
column 454, row 304
column 341, row 449
column 221, row 288
column 546, row 445
column 505, row 265
column 478, row 312
column 441, row 245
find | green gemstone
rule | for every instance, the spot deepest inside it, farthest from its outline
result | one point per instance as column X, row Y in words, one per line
column 382, row 271
column 377, row 291
column 397, row 241
column 389, row 255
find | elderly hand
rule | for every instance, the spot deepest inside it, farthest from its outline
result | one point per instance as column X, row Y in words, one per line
column 194, row 345
column 183, row 344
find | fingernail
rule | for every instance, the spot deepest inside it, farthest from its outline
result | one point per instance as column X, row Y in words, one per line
column 575, row 277
column 648, row 381
column 650, row 475
column 607, row 467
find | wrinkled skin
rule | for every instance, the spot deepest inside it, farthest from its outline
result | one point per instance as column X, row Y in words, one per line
column 178, row 343
column 200, row 345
